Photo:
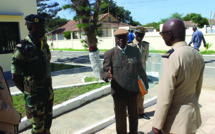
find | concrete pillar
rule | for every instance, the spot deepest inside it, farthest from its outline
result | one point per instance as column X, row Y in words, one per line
column 113, row 38
column 205, row 29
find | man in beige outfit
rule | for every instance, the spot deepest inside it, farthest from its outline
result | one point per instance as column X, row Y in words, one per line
column 9, row 117
column 143, row 47
column 177, row 109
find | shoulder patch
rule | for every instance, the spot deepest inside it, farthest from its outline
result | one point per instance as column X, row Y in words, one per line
column 167, row 54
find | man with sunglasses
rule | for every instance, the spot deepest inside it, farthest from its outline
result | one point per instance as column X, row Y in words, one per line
column 143, row 47
column 177, row 110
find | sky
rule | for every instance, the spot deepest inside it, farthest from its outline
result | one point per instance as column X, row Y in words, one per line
column 147, row 11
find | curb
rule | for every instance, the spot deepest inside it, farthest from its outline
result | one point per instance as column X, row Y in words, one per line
column 101, row 125
column 72, row 103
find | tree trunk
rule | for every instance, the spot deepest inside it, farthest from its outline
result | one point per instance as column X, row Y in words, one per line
column 95, row 63
column 90, row 30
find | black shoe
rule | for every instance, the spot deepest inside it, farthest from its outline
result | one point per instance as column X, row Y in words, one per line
column 144, row 116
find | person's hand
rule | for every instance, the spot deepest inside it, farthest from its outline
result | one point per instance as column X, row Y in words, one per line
column 189, row 44
column 156, row 131
column 204, row 45
column 109, row 74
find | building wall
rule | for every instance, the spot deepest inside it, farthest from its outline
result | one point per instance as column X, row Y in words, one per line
column 15, row 11
column 113, row 19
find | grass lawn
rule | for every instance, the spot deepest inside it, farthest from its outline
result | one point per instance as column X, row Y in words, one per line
column 90, row 79
column 207, row 52
column 58, row 67
column 60, row 95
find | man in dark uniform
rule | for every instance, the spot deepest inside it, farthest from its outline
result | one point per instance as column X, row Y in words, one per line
column 32, row 75
column 122, row 65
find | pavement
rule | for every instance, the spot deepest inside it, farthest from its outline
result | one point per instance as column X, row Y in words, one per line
column 207, row 107
column 101, row 109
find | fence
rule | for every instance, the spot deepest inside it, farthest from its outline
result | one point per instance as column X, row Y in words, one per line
column 155, row 40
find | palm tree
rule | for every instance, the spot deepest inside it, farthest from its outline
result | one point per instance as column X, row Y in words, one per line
column 87, row 15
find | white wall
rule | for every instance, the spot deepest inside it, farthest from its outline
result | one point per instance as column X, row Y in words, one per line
column 15, row 11
column 155, row 40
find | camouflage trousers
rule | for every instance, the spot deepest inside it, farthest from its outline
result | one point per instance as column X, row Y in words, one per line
column 39, row 109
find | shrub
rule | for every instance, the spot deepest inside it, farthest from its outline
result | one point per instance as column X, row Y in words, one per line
column 67, row 35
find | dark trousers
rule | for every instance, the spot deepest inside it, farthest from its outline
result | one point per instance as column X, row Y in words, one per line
column 120, row 105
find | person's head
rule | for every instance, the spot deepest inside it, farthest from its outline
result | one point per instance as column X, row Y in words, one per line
column 35, row 25
column 173, row 31
column 139, row 33
column 121, row 36
column 194, row 28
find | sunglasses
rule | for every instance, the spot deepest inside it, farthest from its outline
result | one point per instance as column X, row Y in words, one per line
column 161, row 33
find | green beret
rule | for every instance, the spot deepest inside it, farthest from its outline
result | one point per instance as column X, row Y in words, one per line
column 35, row 19
column 140, row 30
column 121, row 32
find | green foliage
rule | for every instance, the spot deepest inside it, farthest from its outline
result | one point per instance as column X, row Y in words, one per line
column 49, row 10
column 60, row 96
column 55, row 23
column 196, row 18
column 153, row 24
column 67, row 35
column 208, row 45
column 84, row 44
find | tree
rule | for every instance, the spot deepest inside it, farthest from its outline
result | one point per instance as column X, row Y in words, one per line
column 87, row 14
column 49, row 10
column 163, row 20
column 196, row 18
column 67, row 35
column 55, row 23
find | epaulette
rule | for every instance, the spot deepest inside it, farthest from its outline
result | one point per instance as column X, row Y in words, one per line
column 167, row 54
column 22, row 43
column 146, row 42
column 23, row 46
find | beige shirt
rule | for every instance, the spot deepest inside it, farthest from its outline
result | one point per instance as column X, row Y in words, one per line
column 177, row 110
column 144, row 50
column 8, row 115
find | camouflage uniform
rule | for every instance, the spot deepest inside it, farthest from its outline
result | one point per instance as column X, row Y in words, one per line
column 33, row 64
column 144, row 52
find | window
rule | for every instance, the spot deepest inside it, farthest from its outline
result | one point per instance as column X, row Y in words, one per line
column 104, row 32
column 109, row 19
column 60, row 37
column 9, row 36
column 74, row 35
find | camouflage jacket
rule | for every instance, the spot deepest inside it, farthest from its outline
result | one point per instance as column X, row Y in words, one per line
column 31, row 62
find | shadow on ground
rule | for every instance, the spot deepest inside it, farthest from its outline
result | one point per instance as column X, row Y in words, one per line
column 77, row 60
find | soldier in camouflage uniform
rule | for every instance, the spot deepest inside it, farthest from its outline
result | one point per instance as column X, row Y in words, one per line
column 143, row 46
column 32, row 75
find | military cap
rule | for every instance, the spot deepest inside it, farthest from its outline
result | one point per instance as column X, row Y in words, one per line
column 121, row 32
column 35, row 19
column 140, row 30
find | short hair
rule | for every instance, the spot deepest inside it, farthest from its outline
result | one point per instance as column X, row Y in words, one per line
column 194, row 27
